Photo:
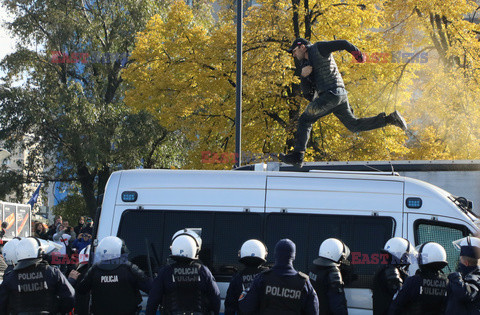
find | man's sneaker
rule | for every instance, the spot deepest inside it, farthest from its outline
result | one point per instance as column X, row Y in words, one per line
column 294, row 158
column 397, row 120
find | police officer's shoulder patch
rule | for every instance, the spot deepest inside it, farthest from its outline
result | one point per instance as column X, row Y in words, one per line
column 242, row 295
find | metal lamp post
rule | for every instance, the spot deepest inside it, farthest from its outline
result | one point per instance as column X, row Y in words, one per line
column 238, row 116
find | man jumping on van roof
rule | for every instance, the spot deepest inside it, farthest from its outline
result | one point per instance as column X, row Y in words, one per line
column 323, row 86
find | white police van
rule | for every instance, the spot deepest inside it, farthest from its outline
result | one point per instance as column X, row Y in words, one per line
column 364, row 209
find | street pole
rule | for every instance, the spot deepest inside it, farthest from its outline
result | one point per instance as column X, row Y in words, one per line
column 238, row 116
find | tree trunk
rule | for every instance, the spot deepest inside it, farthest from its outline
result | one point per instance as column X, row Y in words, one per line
column 103, row 176
column 87, row 183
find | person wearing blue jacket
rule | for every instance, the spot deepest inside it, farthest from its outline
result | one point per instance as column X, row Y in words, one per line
column 185, row 286
column 253, row 254
column 83, row 240
column 463, row 291
column 282, row 289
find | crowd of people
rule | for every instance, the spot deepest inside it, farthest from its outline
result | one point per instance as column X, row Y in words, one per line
column 186, row 286
column 72, row 239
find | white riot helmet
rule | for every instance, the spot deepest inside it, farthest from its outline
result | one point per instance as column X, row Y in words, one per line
column 84, row 255
column 401, row 250
column 433, row 254
column 469, row 246
column 50, row 247
column 111, row 247
column 333, row 250
column 28, row 250
column 253, row 250
column 9, row 251
column 186, row 243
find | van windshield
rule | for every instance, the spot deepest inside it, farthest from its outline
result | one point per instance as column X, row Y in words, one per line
column 147, row 233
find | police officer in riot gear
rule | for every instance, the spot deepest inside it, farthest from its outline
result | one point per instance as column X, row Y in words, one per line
column 426, row 291
column 253, row 254
column 390, row 277
column 52, row 253
column 282, row 289
column 34, row 287
column 114, row 282
column 463, row 292
column 327, row 279
column 9, row 254
column 185, row 286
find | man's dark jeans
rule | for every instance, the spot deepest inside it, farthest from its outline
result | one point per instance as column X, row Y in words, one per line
column 333, row 101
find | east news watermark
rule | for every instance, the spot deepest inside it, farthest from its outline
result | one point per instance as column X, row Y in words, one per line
column 209, row 157
column 356, row 258
column 395, row 57
column 89, row 57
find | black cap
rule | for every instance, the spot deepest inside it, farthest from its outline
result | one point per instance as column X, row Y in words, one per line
column 298, row 42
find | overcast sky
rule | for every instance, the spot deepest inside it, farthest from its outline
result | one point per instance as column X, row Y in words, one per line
column 7, row 43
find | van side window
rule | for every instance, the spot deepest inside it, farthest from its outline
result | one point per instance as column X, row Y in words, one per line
column 364, row 235
column 222, row 236
column 141, row 232
column 442, row 233
column 147, row 233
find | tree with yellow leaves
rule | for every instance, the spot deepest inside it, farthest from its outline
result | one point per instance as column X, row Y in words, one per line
column 183, row 71
column 445, row 106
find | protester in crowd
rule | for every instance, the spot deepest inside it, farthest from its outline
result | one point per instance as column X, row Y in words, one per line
column 69, row 230
column 63, row 239
column 83, row 240
column 52, row 229
column 88, row 228
column 40, row 231
column 79, row 227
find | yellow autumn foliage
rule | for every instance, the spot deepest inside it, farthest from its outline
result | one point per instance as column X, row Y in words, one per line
column 422, row 60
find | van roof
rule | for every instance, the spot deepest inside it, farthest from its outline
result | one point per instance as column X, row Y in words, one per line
column 380, row 166
column 149, row 177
